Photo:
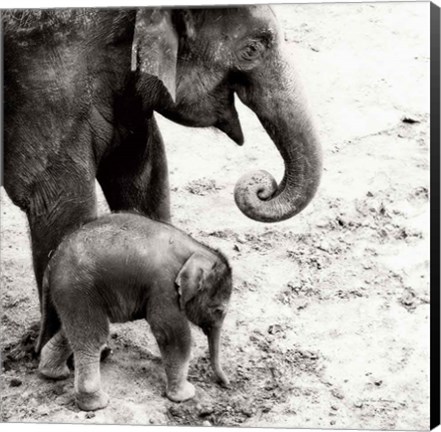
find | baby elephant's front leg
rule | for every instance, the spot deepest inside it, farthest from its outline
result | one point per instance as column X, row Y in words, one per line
column 176, row 368
column 175, row 346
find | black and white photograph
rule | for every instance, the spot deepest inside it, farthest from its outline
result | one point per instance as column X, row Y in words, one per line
column 218, row 215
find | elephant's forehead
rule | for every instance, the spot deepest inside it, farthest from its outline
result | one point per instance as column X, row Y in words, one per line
column 236, row 20
column 262, row 12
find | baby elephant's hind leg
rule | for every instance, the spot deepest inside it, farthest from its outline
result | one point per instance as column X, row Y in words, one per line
column 53, row 357
column 87, row 330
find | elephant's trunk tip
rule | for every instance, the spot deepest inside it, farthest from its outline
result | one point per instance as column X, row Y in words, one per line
column 221, row 378
column 214, row 348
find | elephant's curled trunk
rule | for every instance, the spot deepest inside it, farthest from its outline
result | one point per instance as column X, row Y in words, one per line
column 274, row 95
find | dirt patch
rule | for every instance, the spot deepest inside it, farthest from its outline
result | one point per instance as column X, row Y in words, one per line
column 202, row 187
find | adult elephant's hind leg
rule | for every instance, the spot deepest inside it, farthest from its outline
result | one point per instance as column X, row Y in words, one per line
column 56, row 207
column 134, row 176
column 70, row 202
column 53, row 215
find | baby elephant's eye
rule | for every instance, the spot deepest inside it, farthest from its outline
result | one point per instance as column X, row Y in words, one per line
column 218, row 311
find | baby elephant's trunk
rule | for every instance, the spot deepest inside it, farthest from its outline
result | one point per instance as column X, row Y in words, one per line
column 214, row 346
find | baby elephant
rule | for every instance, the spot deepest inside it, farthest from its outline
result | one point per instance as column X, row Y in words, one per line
column 124, row 267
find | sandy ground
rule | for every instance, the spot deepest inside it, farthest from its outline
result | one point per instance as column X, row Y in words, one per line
column 328, row 325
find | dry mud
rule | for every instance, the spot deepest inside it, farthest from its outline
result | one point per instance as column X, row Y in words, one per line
column 328, row 325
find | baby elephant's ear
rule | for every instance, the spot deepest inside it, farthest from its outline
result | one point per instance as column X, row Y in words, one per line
column 191, row 276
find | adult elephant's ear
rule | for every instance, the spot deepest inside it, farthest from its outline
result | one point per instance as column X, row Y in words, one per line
column 155, row 47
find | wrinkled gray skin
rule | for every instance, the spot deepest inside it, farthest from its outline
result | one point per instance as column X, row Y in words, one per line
column 124, row 267
column 80, row 90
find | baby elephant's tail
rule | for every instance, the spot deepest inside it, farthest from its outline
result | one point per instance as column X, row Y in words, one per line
column 44, row 336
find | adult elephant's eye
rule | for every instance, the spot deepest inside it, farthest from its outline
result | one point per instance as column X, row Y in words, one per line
column 251, row 51
column 250, row 54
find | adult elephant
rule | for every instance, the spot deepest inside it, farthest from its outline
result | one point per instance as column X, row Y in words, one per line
column 80, row 90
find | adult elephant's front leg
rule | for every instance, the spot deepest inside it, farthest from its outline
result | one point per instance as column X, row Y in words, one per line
column 134, row 176
column 58, row 206
column 73, row 205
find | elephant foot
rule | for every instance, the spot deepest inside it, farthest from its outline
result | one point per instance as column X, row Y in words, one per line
column 55, row 373
column 53, row 358
column 92, row 401
column 182, row 393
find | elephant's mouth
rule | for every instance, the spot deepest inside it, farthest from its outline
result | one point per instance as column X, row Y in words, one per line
column 213, row 110
column 230, row 125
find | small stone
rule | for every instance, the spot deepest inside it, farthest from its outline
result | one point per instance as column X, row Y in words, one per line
column 337, row 394
column 33, row 403
column 378, row 383
column 335, row 408
column 332, row 422
column 266, row 408
column 409, row 119
column 204, row 411
column 322, row 224
column 247, row 412
column 15, row 382
column 324, row 246
column 274, row 328
column 206, row 423
column 358, row 404
column 63, row 400
column 90, row 415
